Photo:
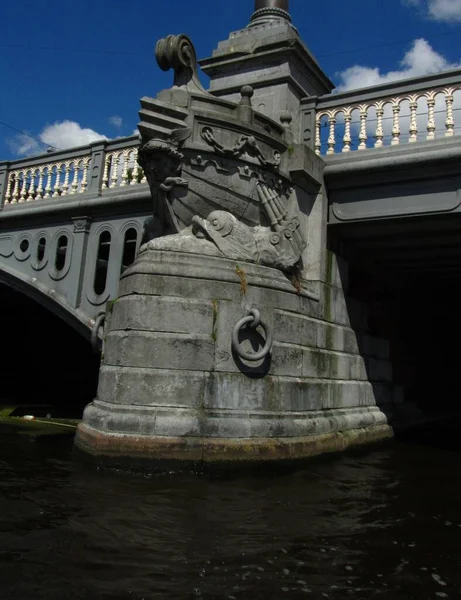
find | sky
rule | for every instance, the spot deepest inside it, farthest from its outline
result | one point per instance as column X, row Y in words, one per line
column 73, row 72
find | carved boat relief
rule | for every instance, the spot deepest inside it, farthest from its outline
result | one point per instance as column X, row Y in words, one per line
column 215, row 172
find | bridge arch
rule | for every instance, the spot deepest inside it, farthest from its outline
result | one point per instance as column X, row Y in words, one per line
column 48, row 298
column 48, row 365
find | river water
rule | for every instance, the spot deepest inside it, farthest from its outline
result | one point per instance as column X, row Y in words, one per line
column 380, row 524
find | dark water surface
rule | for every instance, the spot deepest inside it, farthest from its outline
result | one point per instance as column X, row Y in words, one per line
column 386, row 524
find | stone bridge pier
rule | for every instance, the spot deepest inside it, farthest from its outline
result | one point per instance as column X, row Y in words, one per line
column 233, row 338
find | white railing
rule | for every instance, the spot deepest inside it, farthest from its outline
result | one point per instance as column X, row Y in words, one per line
column 387, row 121
column 94, row 169
column 121, row 169
column 48, row 180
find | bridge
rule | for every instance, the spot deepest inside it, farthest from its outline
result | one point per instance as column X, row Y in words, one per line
column 388, row 164
column 72, row 221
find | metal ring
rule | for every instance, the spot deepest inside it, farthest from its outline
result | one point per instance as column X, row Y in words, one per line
column 253, row 320
column 99, row 321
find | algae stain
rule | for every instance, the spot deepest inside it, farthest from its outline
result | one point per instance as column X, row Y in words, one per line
column 243, row 279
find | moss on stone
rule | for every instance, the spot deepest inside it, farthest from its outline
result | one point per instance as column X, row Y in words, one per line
column 110, row 305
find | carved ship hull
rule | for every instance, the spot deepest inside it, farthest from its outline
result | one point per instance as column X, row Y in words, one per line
column 207, row 191
column 218, row 166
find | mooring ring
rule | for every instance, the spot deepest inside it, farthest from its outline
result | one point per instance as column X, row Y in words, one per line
column 99, row 322
column 253, row 320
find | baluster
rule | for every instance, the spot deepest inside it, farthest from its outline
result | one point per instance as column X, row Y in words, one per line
column 115, row 164
column 105, row 177
column 49, row 180
column 363, row 137
column 31, row 191
column 16, row 187
column 134, row 181
column 126, row 159
column 318, row 134
column 379, row 135
column 144, row 178
column 65, row 185
column 74, row 186
column 450, row 122
column 430, row 97
column 23, row 193
column 8, row 195
column 41, row 172
column 396, row 122
column 413, row 122
column 57, row 188
column 86, row 165
column 347, row 139
column 331, row 137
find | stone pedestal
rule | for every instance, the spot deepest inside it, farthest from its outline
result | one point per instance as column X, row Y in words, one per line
column 173, row 385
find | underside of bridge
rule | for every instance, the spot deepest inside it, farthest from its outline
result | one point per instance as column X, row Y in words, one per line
column 408, row 271
column 44, row 361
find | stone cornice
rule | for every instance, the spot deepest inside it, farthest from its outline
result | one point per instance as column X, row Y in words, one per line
column 292, row 50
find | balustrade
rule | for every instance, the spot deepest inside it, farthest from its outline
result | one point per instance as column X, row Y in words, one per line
column 384, row 120
column 48, row 180
column 38, row 179
column 388, row 115
column 121, row 169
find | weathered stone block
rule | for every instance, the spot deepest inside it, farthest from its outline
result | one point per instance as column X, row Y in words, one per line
column 155, row 350
column 293, row 328
column 287, row 360
column 152, row 387
column 333, row 365
column 163, row 314
column 231, row 391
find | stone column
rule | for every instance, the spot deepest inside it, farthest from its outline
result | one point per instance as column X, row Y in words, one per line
column 269, row 56
column 98, row 155
column 270, row 10
column 82, row 227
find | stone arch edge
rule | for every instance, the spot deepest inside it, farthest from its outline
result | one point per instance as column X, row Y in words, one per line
column 49, row 299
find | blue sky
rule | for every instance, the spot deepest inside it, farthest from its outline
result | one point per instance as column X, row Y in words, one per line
column 70, row 71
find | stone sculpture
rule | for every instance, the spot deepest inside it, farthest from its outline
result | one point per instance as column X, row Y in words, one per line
column 211, row 197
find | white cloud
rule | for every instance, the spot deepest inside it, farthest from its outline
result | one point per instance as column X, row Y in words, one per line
column 67, row 134
column 23, row 145
column 440, row 10
column 116, row 121
column 61, row 135
column 420, row 60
